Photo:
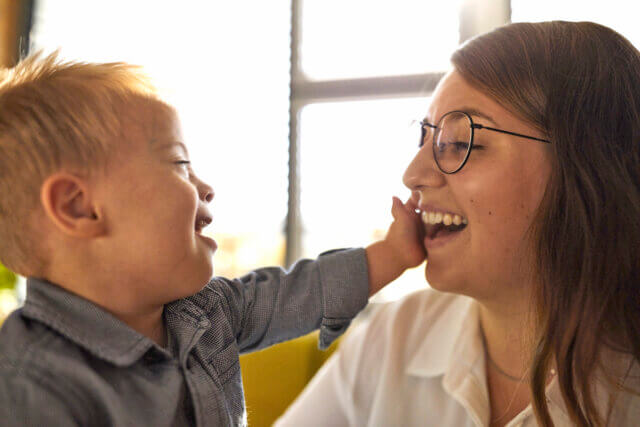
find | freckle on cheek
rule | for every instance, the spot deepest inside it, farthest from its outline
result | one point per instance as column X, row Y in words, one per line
column 489, row 212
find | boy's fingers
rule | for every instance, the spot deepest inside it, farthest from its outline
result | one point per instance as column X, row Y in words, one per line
column 405, row 210
column 396, row 207
column 400, row 210
column 411, row 205
column 411, row 208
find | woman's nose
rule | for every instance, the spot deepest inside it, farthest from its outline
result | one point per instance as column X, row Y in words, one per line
column 422, row 171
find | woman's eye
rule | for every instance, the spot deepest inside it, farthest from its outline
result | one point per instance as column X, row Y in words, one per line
column 461, row 146
column 464, row 146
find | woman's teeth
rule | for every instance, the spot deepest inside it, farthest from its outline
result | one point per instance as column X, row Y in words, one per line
column 439, row 217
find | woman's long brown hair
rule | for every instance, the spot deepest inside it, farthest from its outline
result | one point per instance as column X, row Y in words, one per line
column 578, row 83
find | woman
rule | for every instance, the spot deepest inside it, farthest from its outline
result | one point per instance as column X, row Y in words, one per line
column 532, row 146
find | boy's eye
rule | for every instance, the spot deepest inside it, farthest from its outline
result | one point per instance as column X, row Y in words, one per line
column 184, row 164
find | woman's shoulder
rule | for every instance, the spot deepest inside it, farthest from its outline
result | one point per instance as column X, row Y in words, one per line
column 397, row 330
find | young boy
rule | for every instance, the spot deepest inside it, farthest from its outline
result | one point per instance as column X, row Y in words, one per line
column 123, row 322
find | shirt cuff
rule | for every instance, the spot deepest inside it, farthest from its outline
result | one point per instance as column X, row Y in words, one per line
column 345, row 291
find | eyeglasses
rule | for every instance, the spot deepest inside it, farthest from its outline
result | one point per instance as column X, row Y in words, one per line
column 453, row 139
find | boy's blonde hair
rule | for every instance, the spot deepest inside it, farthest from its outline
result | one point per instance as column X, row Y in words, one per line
column 54, row 115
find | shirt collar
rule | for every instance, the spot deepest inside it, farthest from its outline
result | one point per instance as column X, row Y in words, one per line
column 459, row 353
column 84, row 323
column 453, row 349
column 455, row 335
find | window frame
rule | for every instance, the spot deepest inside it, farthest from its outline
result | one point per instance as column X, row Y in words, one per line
column 476, row 17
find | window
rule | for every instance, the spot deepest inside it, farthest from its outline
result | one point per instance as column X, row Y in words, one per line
column 363, row 38
column 364, row 71
column 353, row 155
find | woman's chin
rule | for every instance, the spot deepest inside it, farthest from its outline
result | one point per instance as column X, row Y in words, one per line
column 440, row 281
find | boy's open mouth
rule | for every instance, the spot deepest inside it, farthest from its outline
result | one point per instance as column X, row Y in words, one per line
column 202, row 220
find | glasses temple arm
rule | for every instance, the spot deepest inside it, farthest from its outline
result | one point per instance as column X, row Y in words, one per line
column 479, row 126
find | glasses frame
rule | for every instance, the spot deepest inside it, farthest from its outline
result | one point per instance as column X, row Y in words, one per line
column 424, row 124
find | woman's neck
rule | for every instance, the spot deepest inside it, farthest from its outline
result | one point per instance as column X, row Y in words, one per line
column 508, row 339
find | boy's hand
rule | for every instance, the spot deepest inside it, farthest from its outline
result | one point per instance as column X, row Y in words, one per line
column 402, row 247
column 406, row 234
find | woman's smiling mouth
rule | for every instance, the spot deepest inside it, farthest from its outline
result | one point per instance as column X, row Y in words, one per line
column 441, row 227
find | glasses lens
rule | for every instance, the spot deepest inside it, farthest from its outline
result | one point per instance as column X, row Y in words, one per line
column 451, row 141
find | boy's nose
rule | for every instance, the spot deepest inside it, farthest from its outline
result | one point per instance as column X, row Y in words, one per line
column 206, row 193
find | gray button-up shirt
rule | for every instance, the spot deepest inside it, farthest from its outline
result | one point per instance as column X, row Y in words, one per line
column 65, row 361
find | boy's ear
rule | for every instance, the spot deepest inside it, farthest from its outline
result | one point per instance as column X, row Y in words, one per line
column 66, row 200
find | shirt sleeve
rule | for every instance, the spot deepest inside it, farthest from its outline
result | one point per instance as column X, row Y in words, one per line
column 271, row 305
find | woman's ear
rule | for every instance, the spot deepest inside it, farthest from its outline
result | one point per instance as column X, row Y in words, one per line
column 66, row 199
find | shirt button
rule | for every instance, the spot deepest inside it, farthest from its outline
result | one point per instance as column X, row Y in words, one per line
column 151, row 357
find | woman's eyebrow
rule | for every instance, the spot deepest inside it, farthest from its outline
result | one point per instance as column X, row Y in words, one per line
column 477, row 113
column 470, row 111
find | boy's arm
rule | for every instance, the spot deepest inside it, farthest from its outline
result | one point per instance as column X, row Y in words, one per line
column 271, row 305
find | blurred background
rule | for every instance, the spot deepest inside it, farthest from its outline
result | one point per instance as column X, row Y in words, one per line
column 297, row 112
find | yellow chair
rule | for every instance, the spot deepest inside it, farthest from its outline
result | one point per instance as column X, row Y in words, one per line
column 274, row 377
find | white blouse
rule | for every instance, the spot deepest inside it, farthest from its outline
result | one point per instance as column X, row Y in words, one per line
column 417, row 362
